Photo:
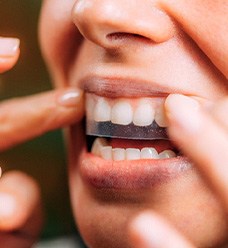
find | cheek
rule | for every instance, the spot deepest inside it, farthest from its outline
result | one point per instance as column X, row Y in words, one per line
column 211, row 35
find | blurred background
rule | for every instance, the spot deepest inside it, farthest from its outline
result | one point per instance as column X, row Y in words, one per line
column 44, row 157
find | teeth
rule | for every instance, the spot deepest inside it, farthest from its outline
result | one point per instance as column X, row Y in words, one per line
column 141, row 111
column 102, row 110
column 106, row 152
column 132, row 154
column 118, row 154
column 149, row 153
column 144, row 114
column 122, row 113
column 90, row 102
column 97, row 145
column 167, row 154
column 160, row 117
column 102, row 149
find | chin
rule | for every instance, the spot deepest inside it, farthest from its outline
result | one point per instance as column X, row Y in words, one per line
column 104, row 211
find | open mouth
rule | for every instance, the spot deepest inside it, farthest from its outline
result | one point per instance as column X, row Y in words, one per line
column 127, row 143
column 127, row 129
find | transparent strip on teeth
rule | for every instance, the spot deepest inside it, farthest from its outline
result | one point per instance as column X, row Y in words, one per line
column 138, row 118
column 108, row 129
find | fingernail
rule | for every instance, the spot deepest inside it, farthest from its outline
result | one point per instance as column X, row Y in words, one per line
column 7, row 205
column 70, row 98
column 183, row 111
column 9, row 47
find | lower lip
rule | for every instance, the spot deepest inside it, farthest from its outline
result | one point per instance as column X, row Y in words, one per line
column 134, row 174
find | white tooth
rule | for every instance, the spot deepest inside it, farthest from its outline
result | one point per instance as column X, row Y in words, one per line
column 102, row 111
column 106, row 152
column 149, row 153
column 97, row 145
column 167, row 154
column 160, row 117
column 90, row 103
column 122, row 113
column 132, row 154
column 144, row 114
column 118, row 154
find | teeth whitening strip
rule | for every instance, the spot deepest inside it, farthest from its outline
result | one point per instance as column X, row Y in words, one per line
column 138, row 118
column 108, row 129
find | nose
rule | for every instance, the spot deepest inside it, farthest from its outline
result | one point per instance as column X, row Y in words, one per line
column 105, row 22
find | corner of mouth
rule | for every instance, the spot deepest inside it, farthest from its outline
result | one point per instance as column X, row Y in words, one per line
column 122, row 160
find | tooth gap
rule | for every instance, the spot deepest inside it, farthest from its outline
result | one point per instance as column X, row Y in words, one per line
column 89, row 142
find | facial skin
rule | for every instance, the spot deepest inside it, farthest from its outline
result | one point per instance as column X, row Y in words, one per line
column 167, row 45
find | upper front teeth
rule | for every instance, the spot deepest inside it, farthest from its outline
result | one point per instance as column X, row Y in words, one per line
column 103, row 150
column 121, row 113
column 144, row 114
column 141, row 111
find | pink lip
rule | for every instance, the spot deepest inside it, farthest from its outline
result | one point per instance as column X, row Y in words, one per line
column 110, row 86
column 128, row 175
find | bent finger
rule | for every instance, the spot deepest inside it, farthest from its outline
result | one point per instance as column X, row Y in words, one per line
column 28, row 117
column 202, row 139
column 149, row 230
column 19, row 202
column 9, row 53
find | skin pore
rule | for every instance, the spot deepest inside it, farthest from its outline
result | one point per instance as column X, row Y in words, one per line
column 172, row 47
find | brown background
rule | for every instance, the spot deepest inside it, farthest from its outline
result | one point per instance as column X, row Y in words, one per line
column 44, row 157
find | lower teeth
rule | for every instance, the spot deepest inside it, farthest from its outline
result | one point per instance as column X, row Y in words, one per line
column 102, row 149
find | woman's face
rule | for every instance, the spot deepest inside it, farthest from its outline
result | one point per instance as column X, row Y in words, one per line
column 129, row 55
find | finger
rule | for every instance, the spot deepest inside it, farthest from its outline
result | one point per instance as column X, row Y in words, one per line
column 19, row 199
column 202, row 139
column 219, row 112
column 148, row 230
column 9, row 53
column 25, row 118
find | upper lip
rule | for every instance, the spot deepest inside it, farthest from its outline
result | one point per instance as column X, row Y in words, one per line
column 109, row 86
column 137, row 174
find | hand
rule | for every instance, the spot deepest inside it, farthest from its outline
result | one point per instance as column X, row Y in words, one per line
column 20, row 120
column 28, row 117
column 20, row 211
column 204, row 139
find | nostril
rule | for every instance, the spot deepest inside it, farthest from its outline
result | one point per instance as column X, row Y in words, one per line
column 122, row 36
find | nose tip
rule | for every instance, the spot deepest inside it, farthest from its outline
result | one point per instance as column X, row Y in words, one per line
column 101, row 20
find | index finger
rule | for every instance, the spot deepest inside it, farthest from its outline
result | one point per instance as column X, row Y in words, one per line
column 27, row 117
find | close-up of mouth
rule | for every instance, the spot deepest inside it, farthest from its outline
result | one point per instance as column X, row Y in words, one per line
column 128, row 146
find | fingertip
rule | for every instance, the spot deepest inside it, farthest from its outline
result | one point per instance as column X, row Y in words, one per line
column 9, row 53
column 9, row 46
column 7, row 63
column 8, row 207
column 70, row 97
column 72, row 100
column 183, row 113
column 19, row 197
